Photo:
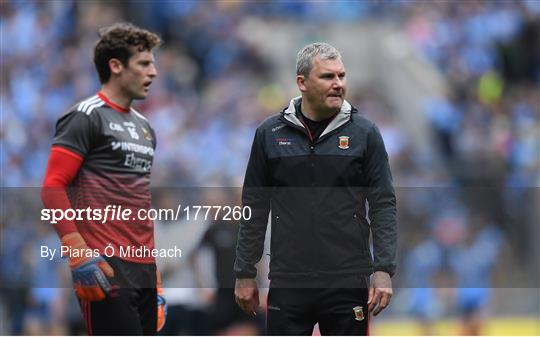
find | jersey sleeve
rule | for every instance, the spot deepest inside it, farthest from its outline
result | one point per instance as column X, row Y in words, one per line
column 75, row 131
column 62, row 167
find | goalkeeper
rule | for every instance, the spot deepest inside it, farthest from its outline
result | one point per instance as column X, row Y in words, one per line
column 101, row 155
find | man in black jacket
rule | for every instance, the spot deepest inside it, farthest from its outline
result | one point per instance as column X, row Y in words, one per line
column 313, row 167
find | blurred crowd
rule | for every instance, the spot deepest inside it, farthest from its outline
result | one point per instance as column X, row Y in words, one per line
column 214, row 88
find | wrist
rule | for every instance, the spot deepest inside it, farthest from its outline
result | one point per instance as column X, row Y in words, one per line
column 76, row 249
column 245, row 282
column 386, row 270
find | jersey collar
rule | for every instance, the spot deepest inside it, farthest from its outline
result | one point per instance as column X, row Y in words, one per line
column 111, row 104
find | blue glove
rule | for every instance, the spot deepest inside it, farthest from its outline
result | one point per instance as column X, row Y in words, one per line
column 161, row 304
column 90, row 279
column 162, row 312
column 89, row 273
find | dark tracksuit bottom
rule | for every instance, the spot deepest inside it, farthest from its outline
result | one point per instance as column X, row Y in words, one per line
column 131, row 306
column 340, row 309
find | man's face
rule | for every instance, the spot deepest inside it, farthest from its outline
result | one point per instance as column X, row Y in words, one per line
column 325, row 87
column 137, row 76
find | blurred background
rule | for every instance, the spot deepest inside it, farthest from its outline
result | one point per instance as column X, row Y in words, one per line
column 453, row 86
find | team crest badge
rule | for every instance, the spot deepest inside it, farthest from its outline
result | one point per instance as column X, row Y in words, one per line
column 146, row 134
column 343, row 142
column 358, row 313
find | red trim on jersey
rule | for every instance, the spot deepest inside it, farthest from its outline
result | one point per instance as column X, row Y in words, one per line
column 62, row 168
column 111, row 104
column 86, row 310
column 83, row 309
column 75, row 155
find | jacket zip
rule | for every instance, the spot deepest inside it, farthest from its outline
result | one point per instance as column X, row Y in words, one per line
column 305, row 130
column 312, row 142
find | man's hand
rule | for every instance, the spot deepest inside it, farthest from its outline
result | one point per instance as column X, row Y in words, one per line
column 246, row 295
column 89, row 273
column 90, row 279
column 380, row 292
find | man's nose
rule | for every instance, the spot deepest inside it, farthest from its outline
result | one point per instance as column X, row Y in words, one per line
column 153, row 71
column 338, row 83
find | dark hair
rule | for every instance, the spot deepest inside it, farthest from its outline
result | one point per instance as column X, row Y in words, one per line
column 120, row 41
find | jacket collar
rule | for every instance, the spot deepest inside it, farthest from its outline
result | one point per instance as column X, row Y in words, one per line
column 343, row 116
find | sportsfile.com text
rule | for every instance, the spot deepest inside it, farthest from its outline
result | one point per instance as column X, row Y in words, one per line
column 122, row 213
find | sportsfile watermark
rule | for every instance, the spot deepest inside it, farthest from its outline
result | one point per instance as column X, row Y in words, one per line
column 462, row 229
column 122, row 213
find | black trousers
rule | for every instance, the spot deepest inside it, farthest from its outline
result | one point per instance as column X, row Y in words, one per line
column 339, row 311
column 131, row 306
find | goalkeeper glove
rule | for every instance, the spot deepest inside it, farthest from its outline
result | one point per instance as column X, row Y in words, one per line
column 161, row 304
column 89, row 273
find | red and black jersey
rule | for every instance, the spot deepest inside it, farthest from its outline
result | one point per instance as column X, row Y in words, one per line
column 117, row 147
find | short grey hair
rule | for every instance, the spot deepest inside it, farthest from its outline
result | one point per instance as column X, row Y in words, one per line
column 304, row 59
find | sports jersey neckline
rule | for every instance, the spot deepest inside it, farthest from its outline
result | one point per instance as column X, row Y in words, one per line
column 111, row 104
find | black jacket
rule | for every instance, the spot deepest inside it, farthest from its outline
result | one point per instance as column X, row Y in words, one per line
column 316, row 192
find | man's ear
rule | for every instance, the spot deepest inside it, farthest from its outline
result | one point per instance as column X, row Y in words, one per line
column 116, row 66
column 301, row 82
